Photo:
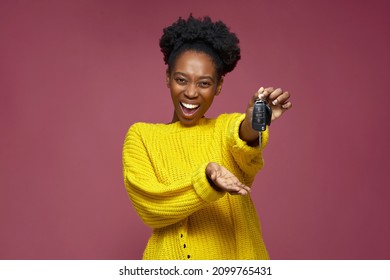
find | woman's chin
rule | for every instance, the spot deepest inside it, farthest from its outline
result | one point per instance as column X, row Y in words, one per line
column 188, row 122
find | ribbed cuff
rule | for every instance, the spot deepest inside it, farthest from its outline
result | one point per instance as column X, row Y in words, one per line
column 240, row 144
column 202, row 186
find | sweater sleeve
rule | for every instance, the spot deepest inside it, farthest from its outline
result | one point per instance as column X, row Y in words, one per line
column 159, row 204
column 249, row 159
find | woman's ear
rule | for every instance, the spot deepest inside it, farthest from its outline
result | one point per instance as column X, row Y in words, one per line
column 219, row 86
column 167, row 78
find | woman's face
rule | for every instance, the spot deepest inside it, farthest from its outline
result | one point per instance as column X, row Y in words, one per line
column 193, row 83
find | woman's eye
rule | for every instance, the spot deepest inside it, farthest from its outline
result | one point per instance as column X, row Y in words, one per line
column 204, row 84
column 180, row 81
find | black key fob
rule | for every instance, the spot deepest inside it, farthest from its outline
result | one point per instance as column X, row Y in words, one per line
column 261, row 116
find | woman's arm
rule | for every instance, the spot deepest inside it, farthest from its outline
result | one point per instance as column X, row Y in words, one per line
column 159, row 204
column 243, row 141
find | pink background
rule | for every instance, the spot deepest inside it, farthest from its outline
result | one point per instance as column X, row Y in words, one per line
column 74, row 75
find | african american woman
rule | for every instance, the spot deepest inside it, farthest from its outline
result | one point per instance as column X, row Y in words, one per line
column 190, row 180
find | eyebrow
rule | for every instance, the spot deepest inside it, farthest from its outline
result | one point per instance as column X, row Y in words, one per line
column 201, row 77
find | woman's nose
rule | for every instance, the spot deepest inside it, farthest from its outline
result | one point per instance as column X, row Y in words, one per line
column 191, row 91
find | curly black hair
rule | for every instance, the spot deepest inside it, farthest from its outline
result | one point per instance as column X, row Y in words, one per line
column 202, row 35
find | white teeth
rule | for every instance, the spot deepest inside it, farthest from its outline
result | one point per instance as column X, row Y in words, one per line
column 189, row 106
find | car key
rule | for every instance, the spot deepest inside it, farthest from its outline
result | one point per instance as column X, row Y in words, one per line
column 261, row 116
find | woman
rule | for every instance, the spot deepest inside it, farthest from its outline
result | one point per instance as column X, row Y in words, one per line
column 190, row 179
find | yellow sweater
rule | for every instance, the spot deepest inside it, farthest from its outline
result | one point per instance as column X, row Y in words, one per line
column 164, row 173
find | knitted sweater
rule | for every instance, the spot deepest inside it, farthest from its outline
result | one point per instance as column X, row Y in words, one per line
column 164, row 173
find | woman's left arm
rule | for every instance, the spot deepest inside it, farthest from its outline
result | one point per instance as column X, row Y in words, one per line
column 243, row 141
column 279, row 101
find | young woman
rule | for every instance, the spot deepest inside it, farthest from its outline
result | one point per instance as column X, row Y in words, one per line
column 190, row 179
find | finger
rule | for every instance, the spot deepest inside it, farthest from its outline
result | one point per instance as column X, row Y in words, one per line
column 243, row 192
column 242, row 189
column 240, row 192
column 241, row 185
column 279, row 97
column 248, row 189
column 267, row 91
column 256, row 96
column 275, row 93
column 260, row 93
column 287, row 105
column 260, row 90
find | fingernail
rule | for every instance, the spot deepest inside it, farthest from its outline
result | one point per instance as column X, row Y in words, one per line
column 260, row 90
column 275, row 102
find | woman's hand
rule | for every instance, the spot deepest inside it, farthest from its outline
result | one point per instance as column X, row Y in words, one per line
column 277, row 99
column 223, row 180
column 279, row 102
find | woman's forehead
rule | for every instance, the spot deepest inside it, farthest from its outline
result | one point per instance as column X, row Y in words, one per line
column 194, row 62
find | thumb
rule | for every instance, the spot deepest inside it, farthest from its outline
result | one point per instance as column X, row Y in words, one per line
column 213, row 175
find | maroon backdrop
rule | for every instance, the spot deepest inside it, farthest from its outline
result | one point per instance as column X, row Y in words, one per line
column 74, row 75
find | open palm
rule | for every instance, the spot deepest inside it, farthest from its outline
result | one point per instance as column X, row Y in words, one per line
column 223, row 180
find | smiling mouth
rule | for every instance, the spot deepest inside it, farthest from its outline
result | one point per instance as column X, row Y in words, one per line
column 189, row 109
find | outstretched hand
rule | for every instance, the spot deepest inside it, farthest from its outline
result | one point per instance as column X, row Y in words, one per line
column 223, row 180
column 279, row 102
column 277, row 99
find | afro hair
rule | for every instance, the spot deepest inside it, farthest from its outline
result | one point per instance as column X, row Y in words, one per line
column 203, row 35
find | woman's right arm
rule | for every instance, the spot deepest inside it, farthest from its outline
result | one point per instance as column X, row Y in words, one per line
column 159, row 204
